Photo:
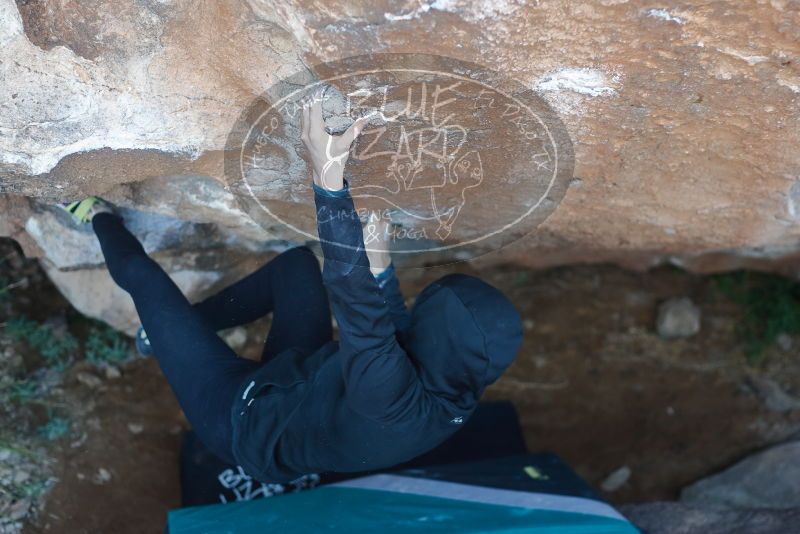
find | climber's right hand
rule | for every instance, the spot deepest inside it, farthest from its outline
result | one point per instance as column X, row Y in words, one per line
column 327, row 153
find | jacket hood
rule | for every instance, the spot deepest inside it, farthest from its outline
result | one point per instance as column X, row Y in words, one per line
column 464, row 333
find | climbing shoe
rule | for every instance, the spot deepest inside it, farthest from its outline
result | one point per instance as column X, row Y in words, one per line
column 142, row 343
column 82, row 211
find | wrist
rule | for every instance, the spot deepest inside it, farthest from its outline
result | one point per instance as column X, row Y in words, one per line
column 343, row 191
column 329, row 181
column 382, row 274
column 379, row 262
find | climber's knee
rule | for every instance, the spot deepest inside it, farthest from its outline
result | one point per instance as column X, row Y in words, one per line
column 299, row 259
column 133, row 270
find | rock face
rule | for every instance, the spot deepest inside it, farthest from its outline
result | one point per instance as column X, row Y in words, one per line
column 679, row 518
column 769, row 479
column 760, row 494
column 684, row 123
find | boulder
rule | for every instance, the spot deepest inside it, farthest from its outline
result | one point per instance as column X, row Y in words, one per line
column 769, row 479
column 681, row 518
column 676, row 127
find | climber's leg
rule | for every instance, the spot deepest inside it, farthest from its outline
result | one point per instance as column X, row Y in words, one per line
column 202, row 370
column 301, row 314
column 245, row 301
column 290, row 286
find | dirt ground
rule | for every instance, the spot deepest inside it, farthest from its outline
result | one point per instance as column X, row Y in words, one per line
column 593, row 383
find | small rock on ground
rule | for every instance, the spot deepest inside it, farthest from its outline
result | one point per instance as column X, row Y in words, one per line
column 89, row 380
column 616, row 480
column 677, row 318
column 236, row 338
column 111, row 372
column 102, row 476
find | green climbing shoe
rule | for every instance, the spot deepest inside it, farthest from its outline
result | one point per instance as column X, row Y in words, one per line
column 82, row 211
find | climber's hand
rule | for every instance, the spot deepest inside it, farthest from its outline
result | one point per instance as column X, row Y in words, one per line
column 377, row 238
column 328, row 153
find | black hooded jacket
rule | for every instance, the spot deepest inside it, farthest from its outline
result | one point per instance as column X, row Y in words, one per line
column 393, row 387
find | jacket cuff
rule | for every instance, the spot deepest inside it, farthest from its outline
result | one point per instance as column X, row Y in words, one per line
column 384, row 275
column 336, row 193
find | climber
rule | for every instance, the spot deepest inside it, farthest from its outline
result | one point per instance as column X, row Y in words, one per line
column 394, row 385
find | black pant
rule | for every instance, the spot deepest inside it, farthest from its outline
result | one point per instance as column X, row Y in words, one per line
column 202, row 370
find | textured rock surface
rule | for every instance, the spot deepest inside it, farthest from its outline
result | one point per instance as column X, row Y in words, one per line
column 769, row 479
column 685, row 120
column 679, row 518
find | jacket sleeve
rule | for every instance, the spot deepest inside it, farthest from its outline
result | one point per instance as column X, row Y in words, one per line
column 380, row 380
column 390, row 286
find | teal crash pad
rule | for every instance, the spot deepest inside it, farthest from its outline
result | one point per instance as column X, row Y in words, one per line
column 354, row 510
